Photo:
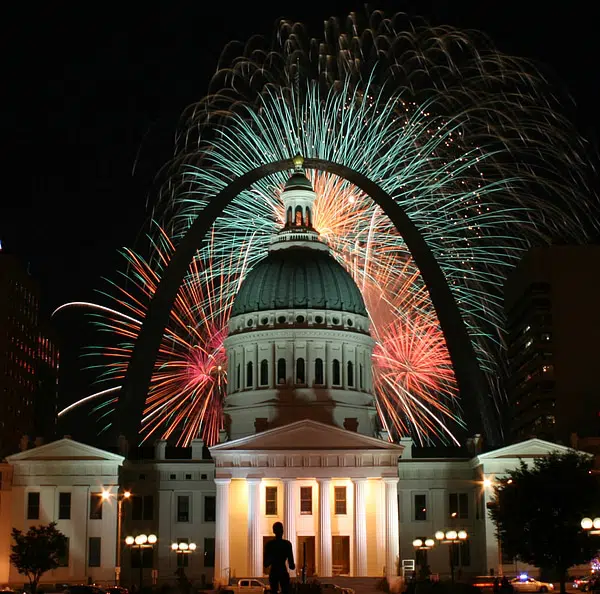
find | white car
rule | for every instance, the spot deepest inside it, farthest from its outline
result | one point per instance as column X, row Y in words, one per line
column 525, row 583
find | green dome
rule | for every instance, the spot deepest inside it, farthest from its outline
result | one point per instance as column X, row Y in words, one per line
column 298, row 277
column 298, row 181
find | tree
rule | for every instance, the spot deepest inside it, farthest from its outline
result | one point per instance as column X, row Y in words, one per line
column 37, row 551
column 538, row 512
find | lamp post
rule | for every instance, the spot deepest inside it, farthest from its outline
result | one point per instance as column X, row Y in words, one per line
column 120, row 497
column 423, row 545
column 451, row 537
column 181, row 549
column 140, row 542
column 591, row 526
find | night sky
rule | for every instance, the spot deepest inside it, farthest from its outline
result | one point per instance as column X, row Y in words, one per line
column 94, row 92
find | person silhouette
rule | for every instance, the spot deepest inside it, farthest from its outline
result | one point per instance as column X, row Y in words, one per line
column 277, row 552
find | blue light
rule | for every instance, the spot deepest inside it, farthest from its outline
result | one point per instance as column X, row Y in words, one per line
column 523, row 577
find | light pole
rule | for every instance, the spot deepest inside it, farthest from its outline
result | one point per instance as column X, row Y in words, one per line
column 451, row 537
column 591, row 526
column 140, row 542
column 120, row 497
column 423, row 545
column 181, row 549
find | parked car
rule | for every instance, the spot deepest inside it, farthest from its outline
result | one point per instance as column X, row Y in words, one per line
column 116, row 590
column 83, row 589
column 484, row 582
column 524, row 583
column 335, row 589
column 247, row 586
column 582, row 583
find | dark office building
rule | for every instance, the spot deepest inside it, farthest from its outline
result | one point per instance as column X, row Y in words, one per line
column 552, row 304
column 28, row 360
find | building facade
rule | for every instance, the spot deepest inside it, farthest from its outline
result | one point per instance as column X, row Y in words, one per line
column 552, row 321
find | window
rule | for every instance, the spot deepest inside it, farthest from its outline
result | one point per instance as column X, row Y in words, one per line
column 188, row 477
column 33, row 506
column 249, row 375
column 461, row 554
column 148, row 504
column 94, row 549
column 142, row 557
column 420, row 507
column 172, row 476
column 210, row 511
column 458, row 505
column 183, row 508
column 319, row 379
column 336, row 372
column 300, row 376
column 238, row 381
column 63, row 560
column 95, row 506
column 281, row 373
column 264, row 373
column 64, row 506
column 306, row 501
column 340, row 501
column 142, row 508
column 209, row 552
column 421, row 554
column 350, row 374
column 271, row 501
column 360, row 377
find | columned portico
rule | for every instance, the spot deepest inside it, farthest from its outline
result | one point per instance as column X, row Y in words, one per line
column 222, row 530
column 290, row 510
column 254, row 535
column 325, row 558
column 392, row 543
column 360, row 526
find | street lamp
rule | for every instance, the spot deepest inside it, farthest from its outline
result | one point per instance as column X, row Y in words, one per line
column 451, row 537
column 591, row 526
column 120, row 497
column 181, row 549
column 140, row 542
column 423, row 545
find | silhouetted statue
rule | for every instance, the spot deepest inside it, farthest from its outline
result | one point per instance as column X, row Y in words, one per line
column 277, row 552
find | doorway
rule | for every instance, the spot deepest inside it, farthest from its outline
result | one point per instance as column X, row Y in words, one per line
column 306, row 555
column 340, row 555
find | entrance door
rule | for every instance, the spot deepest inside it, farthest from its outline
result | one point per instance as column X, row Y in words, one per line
column 306, row 546
column 341, row 555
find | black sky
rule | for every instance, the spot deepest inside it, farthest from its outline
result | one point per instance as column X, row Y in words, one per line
column 94, row 91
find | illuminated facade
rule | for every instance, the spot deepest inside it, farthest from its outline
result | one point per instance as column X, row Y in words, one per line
column 553, row 322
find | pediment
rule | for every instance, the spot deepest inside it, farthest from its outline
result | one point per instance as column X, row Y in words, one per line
column 306, row 435
column 531, row 448
column 65, row 449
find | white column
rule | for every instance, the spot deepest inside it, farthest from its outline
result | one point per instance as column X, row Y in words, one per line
column 360, row 527
column 289, row 515
column 255, row 549
column 325, row 560
column 391, row 526
column 222, row 531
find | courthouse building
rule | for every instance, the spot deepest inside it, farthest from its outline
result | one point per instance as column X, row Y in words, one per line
column 301, row 445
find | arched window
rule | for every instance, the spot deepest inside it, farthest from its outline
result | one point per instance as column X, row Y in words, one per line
column 350, row 374
column 300, row 375
column 336, row 373
column 281, row 375
column 308, row 217
column 360, row 376
column 238, row 380
column 298, row 217
column 264, row 373
column 290, row 215
column 249, row 378
column 319, row 379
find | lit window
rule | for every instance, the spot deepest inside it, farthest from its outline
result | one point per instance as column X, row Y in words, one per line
column 340, row 501
column 306, row 500
column 271, row 501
